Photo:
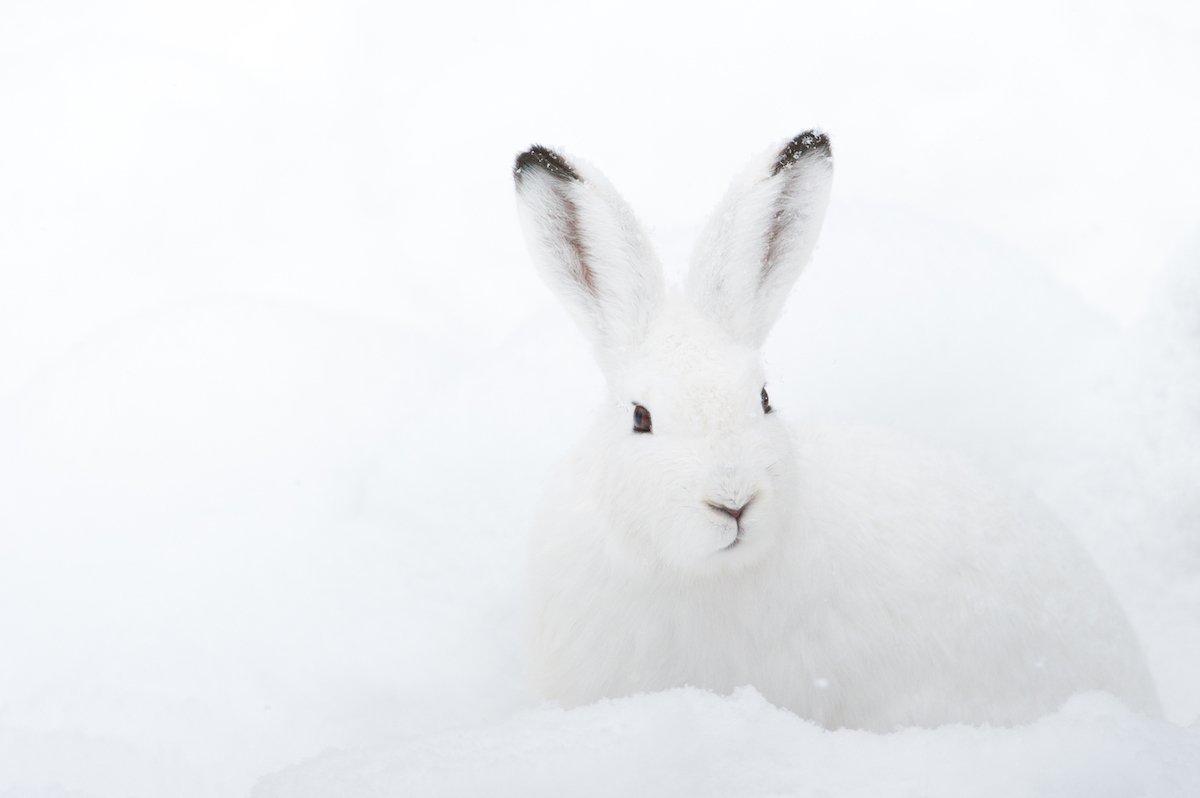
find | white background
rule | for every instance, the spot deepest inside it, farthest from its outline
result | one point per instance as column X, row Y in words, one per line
column 279, row 386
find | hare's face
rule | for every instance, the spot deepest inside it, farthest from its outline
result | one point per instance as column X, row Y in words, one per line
column 705, row 488
column 691, row 469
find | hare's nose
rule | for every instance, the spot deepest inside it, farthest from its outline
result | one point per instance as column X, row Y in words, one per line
column 734, row 513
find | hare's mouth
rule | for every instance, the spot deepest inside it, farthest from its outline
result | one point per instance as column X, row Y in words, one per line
column 736, row 515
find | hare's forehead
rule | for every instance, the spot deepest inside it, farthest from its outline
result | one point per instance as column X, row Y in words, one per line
column 688, row 359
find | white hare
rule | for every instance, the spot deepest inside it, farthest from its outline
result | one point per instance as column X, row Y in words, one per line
column 695, row 538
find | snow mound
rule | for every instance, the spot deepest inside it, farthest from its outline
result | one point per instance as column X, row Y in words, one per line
column 688, row 742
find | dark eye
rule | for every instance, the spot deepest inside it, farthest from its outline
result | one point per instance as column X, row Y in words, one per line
column 641, row 419
column 766, row 400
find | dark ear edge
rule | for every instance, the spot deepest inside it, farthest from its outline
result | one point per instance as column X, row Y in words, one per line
column 808, row 142
column 539, row 157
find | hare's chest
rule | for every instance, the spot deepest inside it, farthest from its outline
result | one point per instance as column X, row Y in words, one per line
column 619, row 637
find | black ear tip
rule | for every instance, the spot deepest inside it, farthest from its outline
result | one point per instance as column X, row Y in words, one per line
column 539, row 157
column 810, row 142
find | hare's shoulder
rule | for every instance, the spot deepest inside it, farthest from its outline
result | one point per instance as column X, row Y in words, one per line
column 877, row 496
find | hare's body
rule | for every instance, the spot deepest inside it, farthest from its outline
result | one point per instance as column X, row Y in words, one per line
column 868, row 614
column 695, row 539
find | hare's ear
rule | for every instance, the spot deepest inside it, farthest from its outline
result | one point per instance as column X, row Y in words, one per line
column 589, row 249
column 761, row 237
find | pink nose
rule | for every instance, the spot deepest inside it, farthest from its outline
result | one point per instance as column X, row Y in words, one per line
column 734, row 514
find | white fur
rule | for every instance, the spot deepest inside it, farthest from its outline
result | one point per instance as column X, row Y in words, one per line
column 869, row 583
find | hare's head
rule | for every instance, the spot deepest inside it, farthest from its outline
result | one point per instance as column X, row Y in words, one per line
column 694, row 470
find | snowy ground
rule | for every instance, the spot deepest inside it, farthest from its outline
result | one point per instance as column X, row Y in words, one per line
column 278, row 387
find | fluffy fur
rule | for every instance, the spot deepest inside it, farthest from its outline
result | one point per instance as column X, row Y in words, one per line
column 865, row 582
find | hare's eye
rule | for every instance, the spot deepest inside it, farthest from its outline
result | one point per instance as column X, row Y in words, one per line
column 641, row 419
column 766, row 400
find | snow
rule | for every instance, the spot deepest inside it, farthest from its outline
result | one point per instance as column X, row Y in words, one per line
column 693, row 743
column 279, row 388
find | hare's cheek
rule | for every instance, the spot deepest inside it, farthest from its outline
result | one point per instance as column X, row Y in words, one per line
column 632, row 497
column 691, row 535
column 681, row 543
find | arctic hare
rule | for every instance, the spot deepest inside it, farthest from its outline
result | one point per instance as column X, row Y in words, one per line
column 695, row 538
